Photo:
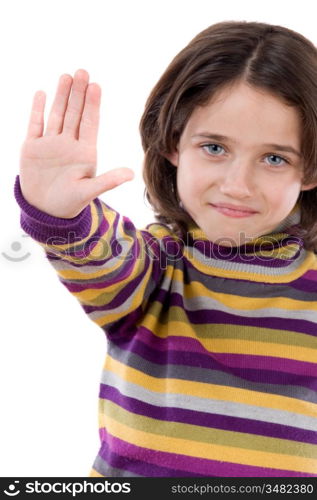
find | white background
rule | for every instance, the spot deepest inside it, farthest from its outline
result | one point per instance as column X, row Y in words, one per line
column 51, row 354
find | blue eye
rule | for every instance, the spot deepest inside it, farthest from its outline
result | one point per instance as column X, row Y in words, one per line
column 213, row 152
column 216, row 150
column 279, row 158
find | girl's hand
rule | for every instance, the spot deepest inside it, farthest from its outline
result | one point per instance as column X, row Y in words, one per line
column 58, row 168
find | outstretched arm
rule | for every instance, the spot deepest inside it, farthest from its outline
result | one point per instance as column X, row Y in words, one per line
column 104, row 261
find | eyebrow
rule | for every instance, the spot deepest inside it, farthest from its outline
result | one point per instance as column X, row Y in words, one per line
column 218, row 137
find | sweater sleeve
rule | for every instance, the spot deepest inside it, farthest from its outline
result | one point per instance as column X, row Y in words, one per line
column 111, row 267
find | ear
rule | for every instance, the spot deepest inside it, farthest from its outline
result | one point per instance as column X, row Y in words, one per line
column 307, row 187
column 173, row 158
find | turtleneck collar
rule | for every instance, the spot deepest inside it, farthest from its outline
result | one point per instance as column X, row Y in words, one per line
column 277, row 256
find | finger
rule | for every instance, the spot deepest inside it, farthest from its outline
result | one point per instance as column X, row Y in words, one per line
column 36, row 122
column 56, row 117
column 92, row 188
column 89, row 123
column 76, row 103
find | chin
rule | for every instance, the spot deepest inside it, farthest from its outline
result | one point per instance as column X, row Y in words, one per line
column 231, row 240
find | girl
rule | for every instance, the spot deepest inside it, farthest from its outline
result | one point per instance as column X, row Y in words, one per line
column 210, row 312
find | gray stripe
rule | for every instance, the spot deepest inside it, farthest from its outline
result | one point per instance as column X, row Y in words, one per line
column 229, row 286
column 207, row 376
column 107, row 471
column 223, row 264
column 186, row 402
column 248, row 288
column 196, row 256
column 197, row 303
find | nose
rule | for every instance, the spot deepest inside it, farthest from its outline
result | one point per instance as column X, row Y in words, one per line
column 236, row 181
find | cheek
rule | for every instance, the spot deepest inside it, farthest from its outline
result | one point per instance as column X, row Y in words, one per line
column 185, row 179
column 191, row 179
column 282, row 197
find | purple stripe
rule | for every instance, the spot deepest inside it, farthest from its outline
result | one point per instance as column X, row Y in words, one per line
column 113, row 246
column 209, row 420
column 124, row 462
column 234, row 360
column 44, row 227
column 246, row 255
column 122, row 296
column 311, row 275
column 118, row 299
column 100, row 235
column 305, row 285
column 269, row 363
column 191, row 465
column 210, row 361
column 81, row 249
column 86, row 247
column 123, row 329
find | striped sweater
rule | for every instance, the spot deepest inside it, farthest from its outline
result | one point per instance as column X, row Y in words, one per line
column 211, row 359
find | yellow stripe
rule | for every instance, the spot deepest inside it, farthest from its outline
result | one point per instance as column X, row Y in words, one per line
column 200, row 433
column 79, row 274
column 159, row 231
column 98, row 252
column 261, row 349
column 210, row 391
column 202, row 331
column 94, row 473
column 196, row 289
column 227, row 345
column 71, row 274
column 210, row 451
column 234, row 346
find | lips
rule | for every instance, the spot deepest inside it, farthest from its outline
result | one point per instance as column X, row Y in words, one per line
column 235, row 211
column 238, row 208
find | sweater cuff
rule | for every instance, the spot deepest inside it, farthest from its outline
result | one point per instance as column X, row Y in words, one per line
column 48, row 229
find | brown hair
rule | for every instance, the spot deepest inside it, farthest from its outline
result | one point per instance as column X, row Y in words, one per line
column 273, row 58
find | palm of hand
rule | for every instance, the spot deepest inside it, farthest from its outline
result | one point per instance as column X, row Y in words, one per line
column 57, row 169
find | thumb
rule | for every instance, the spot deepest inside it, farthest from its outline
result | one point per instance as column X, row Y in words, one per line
column 94, row 186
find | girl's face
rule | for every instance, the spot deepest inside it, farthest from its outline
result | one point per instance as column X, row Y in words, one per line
column 239, row 164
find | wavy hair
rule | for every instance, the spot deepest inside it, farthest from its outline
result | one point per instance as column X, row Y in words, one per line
column 270, row 57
